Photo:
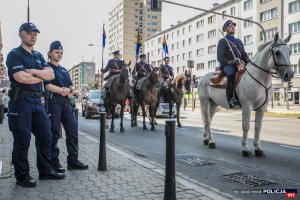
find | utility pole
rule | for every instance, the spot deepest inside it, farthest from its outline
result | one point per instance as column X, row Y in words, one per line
column 28, row 12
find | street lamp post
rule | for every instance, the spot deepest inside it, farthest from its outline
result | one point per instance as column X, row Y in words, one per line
column 28, row 12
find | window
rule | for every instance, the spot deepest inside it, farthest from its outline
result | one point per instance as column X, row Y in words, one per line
column 177, row 58
column 190, row 55
column 247, row 4
column 270, row 33
column 224, row 13
column 264, row 1
column 178, row 70
column 200, row 23
column 159, row 40
column 200, row 37
column 247, row 23
column 294, row 6
column 177, row 45
column 183, row 31
column 211, row 19
column 200, row 66
column 172, row 59
column 268, row 15
column 248, row 39
column 183, row 56
column 190, row 41
column 172, row 35
column 200, row 52
column 211, row 49
column 177, row 32
column 295, row 48
column 159, row 51
column 212, row 63
column 173, row 46
column 296, row 69
column 212, row 34
column 190, row 28
column 232, row 11
column 183, row 43
column 294, row 27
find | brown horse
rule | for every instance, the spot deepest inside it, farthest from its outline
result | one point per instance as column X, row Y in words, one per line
column 118, row 94
column 147, row 95
column 172, row 92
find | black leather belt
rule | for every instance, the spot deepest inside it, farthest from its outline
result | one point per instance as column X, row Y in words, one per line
column 31, row 94
column 57, row 95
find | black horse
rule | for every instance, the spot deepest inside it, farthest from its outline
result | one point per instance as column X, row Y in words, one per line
column 118, row 94
column 147, row 95
column 172, row 92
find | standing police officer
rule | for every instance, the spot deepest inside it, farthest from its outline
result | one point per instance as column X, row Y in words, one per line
column 166, row 69
column 114, row 67
column 229, row 63
column 61, row 111
column 26, row 70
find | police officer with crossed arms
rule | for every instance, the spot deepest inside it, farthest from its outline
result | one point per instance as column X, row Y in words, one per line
column 27, row 69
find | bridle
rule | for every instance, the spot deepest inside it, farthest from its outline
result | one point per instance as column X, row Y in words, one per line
column 273, row 74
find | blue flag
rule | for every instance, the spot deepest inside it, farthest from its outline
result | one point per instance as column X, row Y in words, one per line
column 103, row 37
column 138, row 44
column 165, row 46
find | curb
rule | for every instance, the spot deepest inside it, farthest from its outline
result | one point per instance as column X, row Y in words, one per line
column 157, row 168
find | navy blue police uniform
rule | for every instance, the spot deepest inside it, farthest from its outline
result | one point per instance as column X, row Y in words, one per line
column 60, row 111
column 227, row 60
column 166, row 70
column 142, row 68
column 113, row 64
column 27, row 114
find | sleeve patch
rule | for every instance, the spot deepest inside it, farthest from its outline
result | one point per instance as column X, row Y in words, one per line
column 18, row 67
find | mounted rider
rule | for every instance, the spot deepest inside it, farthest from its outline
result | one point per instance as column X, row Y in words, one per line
column 228, row 61
column 142, row 68
column 166, row 69
column 114, row 67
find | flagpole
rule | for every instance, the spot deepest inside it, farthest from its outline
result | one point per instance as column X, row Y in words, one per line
column 103, row 46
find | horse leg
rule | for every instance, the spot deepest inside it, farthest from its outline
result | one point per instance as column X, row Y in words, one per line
column 112, row 126
column 170, row 109
column 136, row 110
column 206, row 117
column 246, row 112
column 144, row 116
column 258, row 122
column 178, row 104
column 122, row 115
column 212, row 111
column 151, row 112
column 132, row 113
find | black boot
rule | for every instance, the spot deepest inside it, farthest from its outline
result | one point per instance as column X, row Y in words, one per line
column 27, row 181
column 229, row 92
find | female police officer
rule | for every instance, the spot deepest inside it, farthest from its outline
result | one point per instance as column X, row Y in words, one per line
column 60, row 111
column 26, row 70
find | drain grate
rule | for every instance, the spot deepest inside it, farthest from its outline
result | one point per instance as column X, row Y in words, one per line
column 193, row 160
column 248, row 179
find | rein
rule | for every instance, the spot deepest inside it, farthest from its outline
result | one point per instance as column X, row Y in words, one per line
column 273, row 74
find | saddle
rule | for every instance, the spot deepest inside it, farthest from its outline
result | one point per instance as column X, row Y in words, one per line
column 218, row 79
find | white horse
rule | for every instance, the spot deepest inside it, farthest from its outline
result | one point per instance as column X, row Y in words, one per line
column 254, row 91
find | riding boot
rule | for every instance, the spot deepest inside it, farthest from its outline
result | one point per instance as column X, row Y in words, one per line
column 229, row 93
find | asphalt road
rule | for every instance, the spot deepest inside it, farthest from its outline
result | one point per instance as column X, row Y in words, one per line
column 279, row 139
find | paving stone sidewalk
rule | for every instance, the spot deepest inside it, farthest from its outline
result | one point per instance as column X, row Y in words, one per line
column 127, row 177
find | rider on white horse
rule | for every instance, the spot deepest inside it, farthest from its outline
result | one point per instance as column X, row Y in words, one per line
column 228, row 61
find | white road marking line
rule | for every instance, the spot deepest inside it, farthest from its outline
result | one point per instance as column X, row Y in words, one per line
column 0, row 167
column 290, row 147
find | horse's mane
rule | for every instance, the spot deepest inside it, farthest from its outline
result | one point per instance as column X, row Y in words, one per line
column 179, row 76
column 262, row 46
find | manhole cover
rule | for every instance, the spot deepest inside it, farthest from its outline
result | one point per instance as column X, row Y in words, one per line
column 248, row 180
column 193, row 160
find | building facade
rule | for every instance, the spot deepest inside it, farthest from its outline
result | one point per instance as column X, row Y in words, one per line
column 197, row 38
column 82, row 76
column 126, row 18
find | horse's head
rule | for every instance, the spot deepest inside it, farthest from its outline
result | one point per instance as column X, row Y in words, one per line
column 183, row 82
column 279, row 58
column 154, row 77
column 126, row 73
column 167, row 84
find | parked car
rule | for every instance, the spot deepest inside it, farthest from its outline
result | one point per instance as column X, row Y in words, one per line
column 92, row 104
column 163, row 110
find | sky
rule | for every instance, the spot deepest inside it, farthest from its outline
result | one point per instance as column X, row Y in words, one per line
column 76, row 23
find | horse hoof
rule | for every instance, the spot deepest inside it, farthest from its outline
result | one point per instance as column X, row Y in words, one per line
column 260, row 153
column 153, row 128
column 135, row 124
column 205, row 142
column 212, row 145
column 145, row 128
column 246, row 154
column 132, row 125
column 111, row 130
column 179, row 125
column 122, row 130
